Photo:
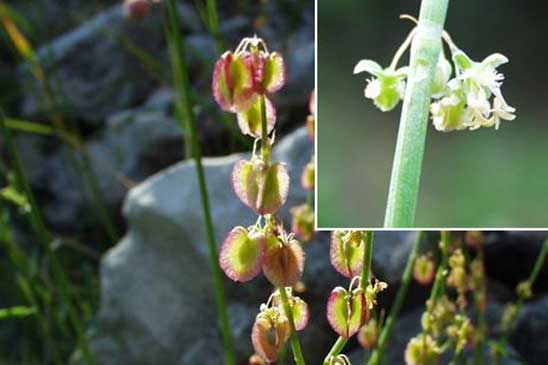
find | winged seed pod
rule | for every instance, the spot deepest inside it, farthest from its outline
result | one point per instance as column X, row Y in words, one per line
column 263, row 188
column 347, row 311
column 299, row 308
column 284, row 259
column 368, row 335
column 303, row 221
column 269, row 334
column 424, row 270
column 242, row 254
column 346, row 252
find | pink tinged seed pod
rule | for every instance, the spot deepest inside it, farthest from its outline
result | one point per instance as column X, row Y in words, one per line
column 346, row 256
column 303, row 221
column 137, row 9
column 283, row 263
column 368, row 335
column 270, row 332
column 249, row 120
column 261, row 187
column 346, row 312
column 424, row 270
column 308, row 176
column 273, row 73
column 242, row 254
column 232, row 83
column 299, row 309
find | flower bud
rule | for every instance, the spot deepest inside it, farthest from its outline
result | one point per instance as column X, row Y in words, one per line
column 261, row 187
column 422, row 350
column 387, row 87
column 303, row 221
column 242, row 254
column 137, row 9
column 346, row 311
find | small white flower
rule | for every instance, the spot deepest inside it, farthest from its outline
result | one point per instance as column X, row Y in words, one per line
column 387, row 87
column 503, row 111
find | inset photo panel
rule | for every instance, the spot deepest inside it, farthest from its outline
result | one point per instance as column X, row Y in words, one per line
column 431, row 114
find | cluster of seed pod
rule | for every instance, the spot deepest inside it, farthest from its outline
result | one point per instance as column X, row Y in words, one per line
column 242, row 82
column 348, row 310
column 446, row 321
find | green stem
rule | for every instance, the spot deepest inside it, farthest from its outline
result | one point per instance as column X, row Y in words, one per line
column 182, row 83
column 539, row 264
column 367, row 256
column 439, row 284
column 386, row 331
column 295, row 344
column 406, row 171
column 338, row 346
column 213, row 24
column 176, row 52
column 43, row 234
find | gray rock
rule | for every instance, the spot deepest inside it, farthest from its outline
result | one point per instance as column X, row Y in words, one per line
column 135, row 144
column 92, row 72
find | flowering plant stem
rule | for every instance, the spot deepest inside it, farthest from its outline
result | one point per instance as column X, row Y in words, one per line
column 425, row 50
column 439, row 284
column 295, row 344
column 39, row 227
column 182, row 84
column 338, row 346
column 407, row 275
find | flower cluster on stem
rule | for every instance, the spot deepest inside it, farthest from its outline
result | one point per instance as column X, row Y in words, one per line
column 471, row 99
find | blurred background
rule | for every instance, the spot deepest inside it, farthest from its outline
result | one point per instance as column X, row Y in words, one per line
column 485, row 178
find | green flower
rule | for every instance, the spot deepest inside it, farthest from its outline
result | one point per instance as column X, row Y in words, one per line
column 387, row 87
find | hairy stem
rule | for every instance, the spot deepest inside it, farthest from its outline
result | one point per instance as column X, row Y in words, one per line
column 406, row 170
column 338, row 346
column 295, row 344
column 386, row 331
column 182, row 84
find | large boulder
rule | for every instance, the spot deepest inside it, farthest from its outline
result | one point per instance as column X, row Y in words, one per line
column 92, row 70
